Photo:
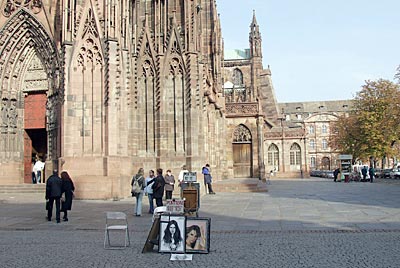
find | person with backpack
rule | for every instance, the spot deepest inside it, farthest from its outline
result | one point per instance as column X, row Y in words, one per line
column 137, row 190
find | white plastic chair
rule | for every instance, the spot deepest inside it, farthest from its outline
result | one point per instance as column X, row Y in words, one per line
column 158, row 211
column 116, row 221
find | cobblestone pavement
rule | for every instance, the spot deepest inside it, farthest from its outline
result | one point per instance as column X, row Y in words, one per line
column 298, row 223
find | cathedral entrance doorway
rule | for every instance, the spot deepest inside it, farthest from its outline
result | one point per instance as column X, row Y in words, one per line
column 242, row 152
column 35, row 135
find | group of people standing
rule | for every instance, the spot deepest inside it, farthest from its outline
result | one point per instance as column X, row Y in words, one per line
column 364, row 172
column 370, row 171
column 59, row 190
column 154, row 186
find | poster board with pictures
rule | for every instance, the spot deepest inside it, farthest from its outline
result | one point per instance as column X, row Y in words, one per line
column 190, row 177
column 197, row 235
column 172, row 234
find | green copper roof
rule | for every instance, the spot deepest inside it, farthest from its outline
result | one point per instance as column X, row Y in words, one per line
column 237, row 54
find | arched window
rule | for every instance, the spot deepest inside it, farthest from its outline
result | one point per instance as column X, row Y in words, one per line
column 295, row 154
column 237, row 78
column 325, row 163
column 273, row 155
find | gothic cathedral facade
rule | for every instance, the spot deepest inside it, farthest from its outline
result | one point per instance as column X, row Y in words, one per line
column 102, row 87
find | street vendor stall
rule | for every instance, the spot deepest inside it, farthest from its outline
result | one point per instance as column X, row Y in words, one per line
column 345, row 166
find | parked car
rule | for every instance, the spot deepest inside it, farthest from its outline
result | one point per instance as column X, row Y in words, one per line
column 379, row 173
column 386, row 173
column 328, row 174
column 315, row 173
column 395, row 173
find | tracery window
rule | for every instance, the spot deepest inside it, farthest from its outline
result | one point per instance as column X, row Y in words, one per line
column 273, row 155
column 295, row 154
column 237, row 78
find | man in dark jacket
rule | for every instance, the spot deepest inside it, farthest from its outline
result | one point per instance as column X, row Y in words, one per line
column 364, row 172
column 158, row 187
column 53, row 193
column 335, row 174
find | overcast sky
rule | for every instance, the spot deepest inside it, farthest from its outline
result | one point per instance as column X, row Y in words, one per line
column 318, row 49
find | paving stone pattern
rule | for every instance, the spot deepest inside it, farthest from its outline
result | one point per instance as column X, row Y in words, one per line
column 298, row 223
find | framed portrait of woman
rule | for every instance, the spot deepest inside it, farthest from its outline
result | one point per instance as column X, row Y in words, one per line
column 172, row 234
column 197, row 238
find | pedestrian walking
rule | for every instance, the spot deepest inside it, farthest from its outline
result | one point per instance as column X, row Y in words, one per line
column 371, row 174
column 169, row 184
column 68, row 189
column 207, row 178
column 335, row 174
column 53, row 194
column 138, row 184
column 39, row 167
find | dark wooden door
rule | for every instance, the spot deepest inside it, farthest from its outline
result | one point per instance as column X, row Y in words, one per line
column 27, row 158
column 242, row 159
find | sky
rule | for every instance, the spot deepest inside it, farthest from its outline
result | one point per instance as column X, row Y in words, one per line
column 318, row 50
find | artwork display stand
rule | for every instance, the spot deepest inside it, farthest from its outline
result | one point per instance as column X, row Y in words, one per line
column 152, row 238
column 190, row 192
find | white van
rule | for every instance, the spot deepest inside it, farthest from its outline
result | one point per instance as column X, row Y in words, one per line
column 357, row 169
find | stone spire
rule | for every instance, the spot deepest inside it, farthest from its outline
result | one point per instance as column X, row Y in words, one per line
column 255, row 38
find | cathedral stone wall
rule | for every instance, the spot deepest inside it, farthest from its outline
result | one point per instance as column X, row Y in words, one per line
column 142, row 84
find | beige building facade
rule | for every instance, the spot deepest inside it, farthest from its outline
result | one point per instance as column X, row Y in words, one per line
column 101, row 88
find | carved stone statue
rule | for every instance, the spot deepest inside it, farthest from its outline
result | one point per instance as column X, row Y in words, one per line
column 4, row 113
column 12, row 114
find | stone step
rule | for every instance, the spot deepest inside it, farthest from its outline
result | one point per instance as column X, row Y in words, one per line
column 23, row 188
column 289, row 174
column 240, row 185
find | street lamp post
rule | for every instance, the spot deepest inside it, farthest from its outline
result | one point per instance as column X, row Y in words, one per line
column 283, row 141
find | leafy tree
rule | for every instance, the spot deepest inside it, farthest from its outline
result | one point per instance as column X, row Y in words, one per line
column 373, row 126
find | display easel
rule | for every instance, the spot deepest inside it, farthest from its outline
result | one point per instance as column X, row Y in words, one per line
column 152, row 238
column 190, row 192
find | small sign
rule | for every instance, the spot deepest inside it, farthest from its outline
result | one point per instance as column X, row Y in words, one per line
column 181, row 257
column 175, row 205
column 345, row 157
column 189, row 177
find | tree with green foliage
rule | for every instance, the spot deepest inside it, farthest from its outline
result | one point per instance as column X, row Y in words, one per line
column 373, row 126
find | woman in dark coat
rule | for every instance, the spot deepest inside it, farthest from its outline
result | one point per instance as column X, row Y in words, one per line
column 68, row 189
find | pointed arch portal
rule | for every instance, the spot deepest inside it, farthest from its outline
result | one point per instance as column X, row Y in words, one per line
column 29, row 92
column 242, row 152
